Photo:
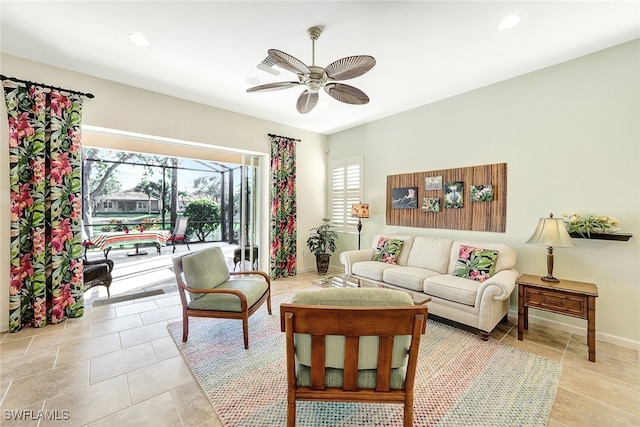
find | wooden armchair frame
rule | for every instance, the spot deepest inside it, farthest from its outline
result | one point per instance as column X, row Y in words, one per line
column 352, row 322
column 243, row 314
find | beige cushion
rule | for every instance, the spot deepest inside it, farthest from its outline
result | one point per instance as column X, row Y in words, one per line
column 431, row 253
column 205, row 269
column 368, row 348
column 408, row 277
column 253, row 289
column 452, row 288
column 373, row 270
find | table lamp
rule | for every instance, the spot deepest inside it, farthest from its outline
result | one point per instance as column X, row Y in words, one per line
column 551, row 232
column 360, row 210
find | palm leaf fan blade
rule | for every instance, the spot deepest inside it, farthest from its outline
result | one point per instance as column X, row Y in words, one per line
column 272, row 86
column 350, row 67
column 307, row 101
column 288, row 62
column 347, row 94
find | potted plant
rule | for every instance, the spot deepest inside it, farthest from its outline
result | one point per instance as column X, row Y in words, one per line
column 321, row 243
column 585, row 225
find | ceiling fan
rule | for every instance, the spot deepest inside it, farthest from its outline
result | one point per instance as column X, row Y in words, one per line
column 315, row 78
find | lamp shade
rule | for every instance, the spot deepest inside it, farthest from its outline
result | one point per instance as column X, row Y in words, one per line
column 551, row 232
column 360, row 210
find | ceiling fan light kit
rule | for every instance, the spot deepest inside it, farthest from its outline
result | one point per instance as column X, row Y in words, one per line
column 315, row 78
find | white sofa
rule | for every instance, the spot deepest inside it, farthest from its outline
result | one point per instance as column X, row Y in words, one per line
column 425, row 264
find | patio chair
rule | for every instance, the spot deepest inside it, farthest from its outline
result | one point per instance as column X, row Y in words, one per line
column 86, row 240
column 351, row 345
column 180, row 232
column 212, row 293
column 97, row 273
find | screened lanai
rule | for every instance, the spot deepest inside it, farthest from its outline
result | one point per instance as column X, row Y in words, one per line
column 124, row 190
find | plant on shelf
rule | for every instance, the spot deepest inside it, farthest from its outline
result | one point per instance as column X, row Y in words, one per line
column 586, row 224
column 321, row 243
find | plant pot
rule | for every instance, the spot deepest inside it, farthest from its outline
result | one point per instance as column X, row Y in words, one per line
column 322, row 263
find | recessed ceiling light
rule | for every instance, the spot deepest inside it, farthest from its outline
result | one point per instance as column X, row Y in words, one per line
column 251, row 81
column 509, row 22
column 139, row 39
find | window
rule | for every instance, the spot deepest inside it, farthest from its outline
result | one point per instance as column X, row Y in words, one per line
column 142, row 205
column 346, row 189
column 107, row 204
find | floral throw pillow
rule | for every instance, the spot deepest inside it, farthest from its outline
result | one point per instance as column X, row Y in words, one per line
column 387, row 250
column 475, row 263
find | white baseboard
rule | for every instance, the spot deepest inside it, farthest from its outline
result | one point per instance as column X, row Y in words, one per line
column 611, row 339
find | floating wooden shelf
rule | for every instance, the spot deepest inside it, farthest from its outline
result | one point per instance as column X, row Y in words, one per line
column 623, row 237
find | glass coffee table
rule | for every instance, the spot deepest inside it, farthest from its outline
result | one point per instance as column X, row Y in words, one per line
column 348, row 281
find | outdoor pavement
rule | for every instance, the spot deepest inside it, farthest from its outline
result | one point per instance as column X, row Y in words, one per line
column 142, row 273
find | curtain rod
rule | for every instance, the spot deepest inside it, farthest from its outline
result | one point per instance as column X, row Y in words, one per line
column 280, row 136
column 30, row 83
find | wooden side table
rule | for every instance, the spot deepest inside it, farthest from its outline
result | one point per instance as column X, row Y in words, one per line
column 576, row 299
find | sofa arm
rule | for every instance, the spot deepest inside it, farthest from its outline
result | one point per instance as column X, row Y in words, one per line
column 348, row 258
column 500, row 285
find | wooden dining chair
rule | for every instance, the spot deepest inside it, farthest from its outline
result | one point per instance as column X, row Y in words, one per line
column 352, row 345
column 207, row 289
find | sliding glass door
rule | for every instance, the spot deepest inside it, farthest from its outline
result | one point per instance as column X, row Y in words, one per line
column 249, row 210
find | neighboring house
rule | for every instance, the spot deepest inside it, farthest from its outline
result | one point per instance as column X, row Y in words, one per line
column 127, row 202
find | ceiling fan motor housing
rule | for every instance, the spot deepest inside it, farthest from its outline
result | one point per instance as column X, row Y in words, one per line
column 315, row 80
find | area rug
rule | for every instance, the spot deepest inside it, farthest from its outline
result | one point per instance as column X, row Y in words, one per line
column 460, row 381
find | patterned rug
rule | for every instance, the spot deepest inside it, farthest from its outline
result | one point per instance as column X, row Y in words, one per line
column 461, row 380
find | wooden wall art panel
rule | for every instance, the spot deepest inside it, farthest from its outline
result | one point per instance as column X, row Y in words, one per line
column 473, row 215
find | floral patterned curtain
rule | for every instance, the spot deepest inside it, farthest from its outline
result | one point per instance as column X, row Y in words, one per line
column 283, row 207
column 45, row 188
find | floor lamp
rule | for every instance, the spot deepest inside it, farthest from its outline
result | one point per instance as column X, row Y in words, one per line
column 360, row 210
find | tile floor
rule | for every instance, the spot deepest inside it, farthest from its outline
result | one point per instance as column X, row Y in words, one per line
column 119, row 366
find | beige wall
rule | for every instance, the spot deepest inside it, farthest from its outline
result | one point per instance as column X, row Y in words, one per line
column 125, row 108
column 570, row 135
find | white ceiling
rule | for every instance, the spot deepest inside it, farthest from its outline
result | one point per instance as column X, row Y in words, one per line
column 205, row 51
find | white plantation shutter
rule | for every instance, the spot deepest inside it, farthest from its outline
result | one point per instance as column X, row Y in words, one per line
column 346, row 189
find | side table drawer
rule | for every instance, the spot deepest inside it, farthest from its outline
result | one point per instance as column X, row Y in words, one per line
column 558, row 302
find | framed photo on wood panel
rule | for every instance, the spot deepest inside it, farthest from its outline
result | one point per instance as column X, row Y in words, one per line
column 404, row 198
column 454, row 195
column 481, row 193
column 431, row 204
column 433, row 183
